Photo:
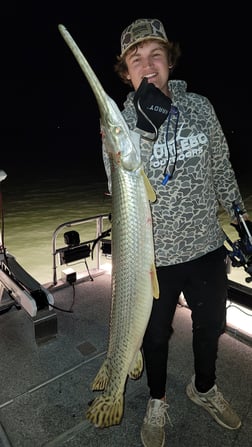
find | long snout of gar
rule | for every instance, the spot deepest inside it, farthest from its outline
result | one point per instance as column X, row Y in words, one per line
column 110, row 115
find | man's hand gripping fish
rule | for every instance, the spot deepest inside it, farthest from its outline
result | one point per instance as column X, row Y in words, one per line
column 134, row 280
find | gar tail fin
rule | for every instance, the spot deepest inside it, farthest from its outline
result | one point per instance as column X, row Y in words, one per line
column 106, row 411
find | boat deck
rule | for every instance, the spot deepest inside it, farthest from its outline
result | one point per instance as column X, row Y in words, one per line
column 46, row 385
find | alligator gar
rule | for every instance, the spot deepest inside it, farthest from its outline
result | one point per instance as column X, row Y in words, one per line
column 133, row 277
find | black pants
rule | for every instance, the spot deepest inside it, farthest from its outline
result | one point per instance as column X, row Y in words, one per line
column 204, row 284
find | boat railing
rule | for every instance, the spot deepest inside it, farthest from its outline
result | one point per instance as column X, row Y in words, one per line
column 81, row 249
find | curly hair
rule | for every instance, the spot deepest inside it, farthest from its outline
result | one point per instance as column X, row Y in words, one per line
column 173, row 54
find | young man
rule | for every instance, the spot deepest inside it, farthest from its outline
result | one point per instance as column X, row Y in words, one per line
column 186, row 158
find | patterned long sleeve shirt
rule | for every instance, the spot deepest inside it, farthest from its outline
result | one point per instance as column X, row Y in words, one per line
column 192, row 149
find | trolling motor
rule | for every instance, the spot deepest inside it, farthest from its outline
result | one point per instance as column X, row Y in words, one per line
column 18, row 288
column 241, row 253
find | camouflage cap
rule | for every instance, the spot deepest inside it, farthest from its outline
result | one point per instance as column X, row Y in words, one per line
column 142, row 29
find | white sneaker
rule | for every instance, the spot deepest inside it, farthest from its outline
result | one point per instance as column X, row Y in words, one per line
column 214, row 402
column 152, row 431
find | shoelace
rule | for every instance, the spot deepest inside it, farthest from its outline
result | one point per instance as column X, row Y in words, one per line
column 159, row 415
column 219, row 401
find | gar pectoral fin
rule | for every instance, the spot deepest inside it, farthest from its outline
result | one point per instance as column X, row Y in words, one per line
column 154, row 280
column 150, row 191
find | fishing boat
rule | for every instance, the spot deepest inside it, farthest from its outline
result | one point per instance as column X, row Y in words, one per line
column 53, row 339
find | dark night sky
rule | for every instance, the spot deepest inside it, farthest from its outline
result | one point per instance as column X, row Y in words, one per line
column 48, row 110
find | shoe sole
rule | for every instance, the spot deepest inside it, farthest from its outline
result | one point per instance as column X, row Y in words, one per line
column 190, row 394
column 145, row 445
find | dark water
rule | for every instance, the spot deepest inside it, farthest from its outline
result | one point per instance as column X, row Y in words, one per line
column 35, row 205
column 36, row 202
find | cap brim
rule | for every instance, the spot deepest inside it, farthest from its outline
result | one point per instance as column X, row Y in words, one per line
column 142, row 39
